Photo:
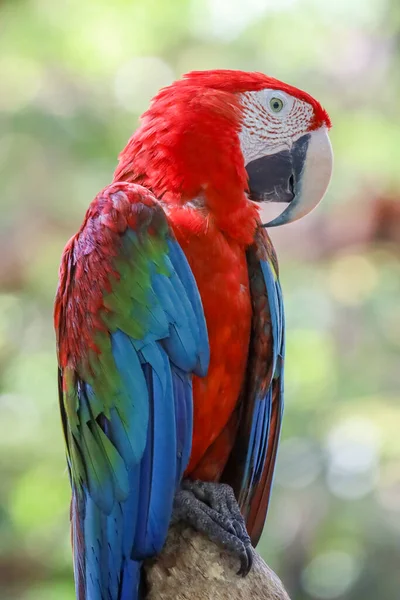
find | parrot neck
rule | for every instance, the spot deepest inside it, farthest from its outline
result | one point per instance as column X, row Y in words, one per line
column 187, row 152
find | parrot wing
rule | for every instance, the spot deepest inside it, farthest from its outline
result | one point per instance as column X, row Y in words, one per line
column 251, row 465
column 130, row 332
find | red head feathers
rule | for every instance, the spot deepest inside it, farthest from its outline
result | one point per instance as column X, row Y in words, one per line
column 187, row 146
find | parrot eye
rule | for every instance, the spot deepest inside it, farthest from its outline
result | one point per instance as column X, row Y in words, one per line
column 276, row 104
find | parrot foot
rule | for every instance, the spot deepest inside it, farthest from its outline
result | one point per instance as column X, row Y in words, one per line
column 212, row 509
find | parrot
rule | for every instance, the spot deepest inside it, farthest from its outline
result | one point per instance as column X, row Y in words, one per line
column 169, row 324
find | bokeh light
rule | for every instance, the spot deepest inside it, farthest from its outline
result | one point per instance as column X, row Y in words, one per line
column 353, row 451
column 330, row 575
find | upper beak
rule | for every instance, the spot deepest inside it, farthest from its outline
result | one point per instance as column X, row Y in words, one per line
column 299, row 176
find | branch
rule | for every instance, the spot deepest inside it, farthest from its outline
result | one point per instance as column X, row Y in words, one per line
column 192, row 568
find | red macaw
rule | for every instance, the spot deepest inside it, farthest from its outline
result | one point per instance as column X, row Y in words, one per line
column 170, row 325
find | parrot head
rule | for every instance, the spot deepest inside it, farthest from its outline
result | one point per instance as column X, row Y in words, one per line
column 286, row 149
column 216, row 137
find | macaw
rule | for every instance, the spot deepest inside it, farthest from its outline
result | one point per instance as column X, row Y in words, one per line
column 170, row 324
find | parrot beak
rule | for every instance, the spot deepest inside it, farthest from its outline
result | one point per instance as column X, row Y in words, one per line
column 298, row 175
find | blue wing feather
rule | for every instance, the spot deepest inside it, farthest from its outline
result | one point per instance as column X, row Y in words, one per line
column 273, row 293
column 185, row 275
column 184, row 419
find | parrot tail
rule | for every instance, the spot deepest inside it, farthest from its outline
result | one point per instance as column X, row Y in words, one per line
column 98, row 576
column 132, row 582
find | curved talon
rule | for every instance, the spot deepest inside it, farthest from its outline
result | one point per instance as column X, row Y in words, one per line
column 250, row 556
column 246, row 563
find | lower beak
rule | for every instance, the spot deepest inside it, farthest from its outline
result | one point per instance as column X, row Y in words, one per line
column 299, row 176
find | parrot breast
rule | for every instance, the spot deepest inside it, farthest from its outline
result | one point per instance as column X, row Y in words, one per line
column 220, row 269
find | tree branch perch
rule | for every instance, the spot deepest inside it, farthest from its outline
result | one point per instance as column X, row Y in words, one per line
column 193, row 568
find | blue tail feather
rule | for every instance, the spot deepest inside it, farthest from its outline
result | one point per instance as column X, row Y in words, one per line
column 130, row 581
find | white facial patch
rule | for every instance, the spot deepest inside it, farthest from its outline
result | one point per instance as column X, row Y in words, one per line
column 273, row 120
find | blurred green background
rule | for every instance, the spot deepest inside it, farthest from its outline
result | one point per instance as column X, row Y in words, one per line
column 74, row 76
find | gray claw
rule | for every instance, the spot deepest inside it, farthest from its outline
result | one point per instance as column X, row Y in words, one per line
column 247, row 563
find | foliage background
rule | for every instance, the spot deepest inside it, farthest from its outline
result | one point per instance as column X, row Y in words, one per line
column 74, row 77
